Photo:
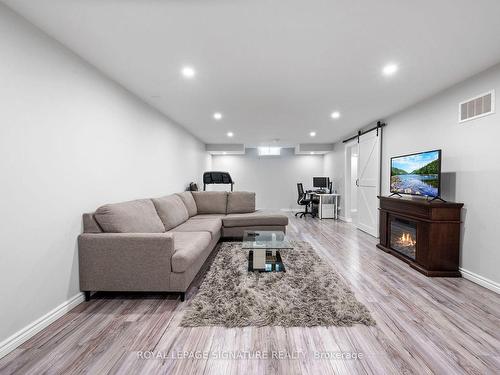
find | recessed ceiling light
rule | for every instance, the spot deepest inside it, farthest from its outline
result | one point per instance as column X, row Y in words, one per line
column 217, row 115
column 312, row 152
column 390, row 69
column 230, row 134
column 188, row 72
column 335, row 114
column 224, row 153
column 312, row 134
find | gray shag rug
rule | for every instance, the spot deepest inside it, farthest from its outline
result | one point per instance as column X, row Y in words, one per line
column 310, row 293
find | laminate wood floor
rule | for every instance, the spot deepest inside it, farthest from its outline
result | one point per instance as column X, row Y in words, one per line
column 424, row 326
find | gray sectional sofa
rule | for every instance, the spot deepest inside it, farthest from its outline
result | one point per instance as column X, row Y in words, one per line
column 160, row 244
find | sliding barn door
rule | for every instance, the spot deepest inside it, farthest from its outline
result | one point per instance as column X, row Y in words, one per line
column 368, row 182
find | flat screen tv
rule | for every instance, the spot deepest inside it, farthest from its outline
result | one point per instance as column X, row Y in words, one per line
column 417, row 174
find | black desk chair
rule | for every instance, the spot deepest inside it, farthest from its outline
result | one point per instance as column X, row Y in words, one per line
column 303, row 201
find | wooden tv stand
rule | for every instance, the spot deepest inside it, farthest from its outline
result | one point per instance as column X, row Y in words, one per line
column 424, row 234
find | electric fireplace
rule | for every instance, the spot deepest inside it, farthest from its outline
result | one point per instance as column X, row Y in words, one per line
column 423, row 233
column 403, row 237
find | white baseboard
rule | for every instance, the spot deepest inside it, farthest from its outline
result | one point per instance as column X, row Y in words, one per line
column 478, row 279
column 32, row 329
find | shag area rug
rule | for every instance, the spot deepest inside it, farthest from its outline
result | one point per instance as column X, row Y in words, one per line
column 310, row 293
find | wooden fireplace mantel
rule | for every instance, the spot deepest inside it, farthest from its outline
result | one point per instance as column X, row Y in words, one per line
column 438, row 233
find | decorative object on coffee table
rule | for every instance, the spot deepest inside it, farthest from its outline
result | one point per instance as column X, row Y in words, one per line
column 310, row 293
column 265, row 261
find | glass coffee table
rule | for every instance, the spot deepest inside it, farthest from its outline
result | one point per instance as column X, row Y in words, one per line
column 265, row 246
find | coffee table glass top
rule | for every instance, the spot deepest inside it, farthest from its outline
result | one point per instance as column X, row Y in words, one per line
column 265, row 239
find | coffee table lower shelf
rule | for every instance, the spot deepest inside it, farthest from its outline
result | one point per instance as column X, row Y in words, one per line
column 265, row 260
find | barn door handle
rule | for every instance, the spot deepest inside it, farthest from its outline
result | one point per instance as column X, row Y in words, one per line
column 357, row 182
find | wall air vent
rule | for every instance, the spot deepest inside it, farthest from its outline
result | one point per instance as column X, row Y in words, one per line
column 479, row 106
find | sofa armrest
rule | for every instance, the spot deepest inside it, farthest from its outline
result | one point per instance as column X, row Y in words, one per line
column 125, row 261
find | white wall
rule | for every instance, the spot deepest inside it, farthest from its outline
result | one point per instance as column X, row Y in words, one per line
column 470, row 165
column 273, row 178
column 70, row 140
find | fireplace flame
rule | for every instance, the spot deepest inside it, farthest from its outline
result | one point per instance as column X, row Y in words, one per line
column 407, row 240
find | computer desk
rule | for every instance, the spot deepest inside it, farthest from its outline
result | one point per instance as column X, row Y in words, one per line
column 323, row 199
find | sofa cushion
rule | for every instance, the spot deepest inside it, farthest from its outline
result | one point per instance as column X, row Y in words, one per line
column 210, row 202
column 188, row 246
column 240, row 202
column 90, row 224
column 189, row 202
column 171, row 210
column 208, row 216
column 255, row 219
column 138, row 216
column 211, row 226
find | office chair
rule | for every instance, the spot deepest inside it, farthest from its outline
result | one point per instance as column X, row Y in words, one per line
column 303, row 201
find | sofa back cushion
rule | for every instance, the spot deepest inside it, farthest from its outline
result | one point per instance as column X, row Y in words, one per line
column 171, row 210
column 210, row 202
column 240, row 202
column 189, row 202
column 90, row 224
column 138, row 216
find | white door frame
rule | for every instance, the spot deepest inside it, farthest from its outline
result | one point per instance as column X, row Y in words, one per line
column 347, row 168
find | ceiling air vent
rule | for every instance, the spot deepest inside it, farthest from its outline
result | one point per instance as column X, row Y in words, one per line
column 476, row 107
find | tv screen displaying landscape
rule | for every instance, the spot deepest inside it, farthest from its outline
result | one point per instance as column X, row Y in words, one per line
column 416, row 174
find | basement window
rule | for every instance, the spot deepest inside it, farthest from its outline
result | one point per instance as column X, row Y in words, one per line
column 269, row 151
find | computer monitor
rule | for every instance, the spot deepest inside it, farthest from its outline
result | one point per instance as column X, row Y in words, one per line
column 321, row 182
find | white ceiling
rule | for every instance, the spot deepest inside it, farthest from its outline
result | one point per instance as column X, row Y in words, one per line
column 276, row 69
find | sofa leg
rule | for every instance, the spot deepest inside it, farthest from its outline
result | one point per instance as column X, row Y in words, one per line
column 183, row 296
column 87, row 296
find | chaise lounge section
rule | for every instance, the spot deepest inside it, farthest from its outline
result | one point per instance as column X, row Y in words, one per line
column 160, row 244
